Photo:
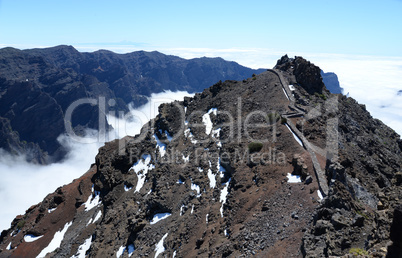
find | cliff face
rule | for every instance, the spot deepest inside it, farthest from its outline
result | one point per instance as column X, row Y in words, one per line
column 212, row 176
column 37, row 86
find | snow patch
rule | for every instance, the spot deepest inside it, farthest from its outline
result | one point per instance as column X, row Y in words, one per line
column 224, row 194
column 206, row 119
column 212, row 179
column 141, row 168
column 186, row 159
column 299, row 141
column 159, row 248
column 220, row 169
column 82, row 249
column 92, row 201
column 291, row 87
column 56, row 241
column 9, row 246
column 206, row 217
column 174, row 254
column 161, row 146
column 293, row 178
column 192, row 209
column 51, row 210
column 120, row 251
column 181, row 210
column 159, row 216
column 30, row 238
column 98, row 216
column 179, row 182
column 189, row 135
column 196, row 188
column 126, row 188
column 320, row 197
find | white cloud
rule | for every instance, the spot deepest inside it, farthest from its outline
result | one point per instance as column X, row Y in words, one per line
column 23, row 184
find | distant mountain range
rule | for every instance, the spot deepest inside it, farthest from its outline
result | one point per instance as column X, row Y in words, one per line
column 38, row 85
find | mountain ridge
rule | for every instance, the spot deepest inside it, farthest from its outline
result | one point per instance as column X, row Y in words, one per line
column 202, row 179
column 64, row 75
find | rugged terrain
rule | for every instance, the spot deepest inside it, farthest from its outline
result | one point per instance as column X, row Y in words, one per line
column 210, row 176
column 38, row 85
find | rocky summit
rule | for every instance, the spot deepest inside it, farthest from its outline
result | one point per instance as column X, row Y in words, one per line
column 271, row 166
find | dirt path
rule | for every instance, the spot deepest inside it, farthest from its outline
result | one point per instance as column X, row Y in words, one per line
column 297, row 112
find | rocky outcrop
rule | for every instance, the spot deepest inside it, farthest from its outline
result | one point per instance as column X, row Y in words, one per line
column 37, row 86
column 331, row 82
column 211, row 176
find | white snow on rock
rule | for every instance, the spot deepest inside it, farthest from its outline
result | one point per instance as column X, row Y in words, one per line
column 291, row 87
column 30, row 238
column 206, row 119
column 189, row 135
column 293, row 178
column 200, row 169
column 206, row 217
column 196, row 188
column 224, row 194
column 179, row 182
column 51, row 210
column 126, row 188
column 212, row 179
column 98, row 216
column 9, row 246
column 186, row 159
column 320, row 197
column 93, row 200
column 120, row 251
column 82, row 249
column 192, row 209
column 129, row 249
column 56, row 241
column 159, row 216
column 161, row 146
column 174, row 254
column 295, row 136
column 159, row 248
column 220, row 169
column 181, row 210
column 216, row 132
column 141, row 168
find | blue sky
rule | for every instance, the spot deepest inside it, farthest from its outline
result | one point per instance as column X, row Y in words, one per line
column 342, row 27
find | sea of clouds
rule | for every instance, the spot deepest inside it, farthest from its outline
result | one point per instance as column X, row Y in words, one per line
column 372, row 80
column 23, row 184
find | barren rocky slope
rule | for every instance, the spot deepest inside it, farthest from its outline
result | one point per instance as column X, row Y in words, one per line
column 210, row 177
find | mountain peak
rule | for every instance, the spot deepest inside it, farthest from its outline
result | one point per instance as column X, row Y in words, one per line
column 258, row 166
